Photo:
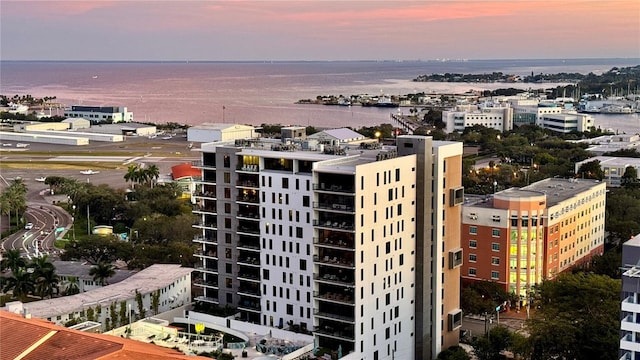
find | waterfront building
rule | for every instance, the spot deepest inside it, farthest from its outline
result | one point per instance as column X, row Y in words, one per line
column 567, row 122
column 96, row 114
column 532, row 111
column 613, row 167
column 464, row 116
column 171, row 284
column 630, row 307
column 520, row 236
column 610, row 143
column 358, row 245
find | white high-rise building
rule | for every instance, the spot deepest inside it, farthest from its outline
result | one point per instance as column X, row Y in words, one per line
column 357, row 244
column 630, row 310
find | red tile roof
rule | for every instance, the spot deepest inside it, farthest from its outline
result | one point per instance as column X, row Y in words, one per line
column 38, row 339
column 184, row 170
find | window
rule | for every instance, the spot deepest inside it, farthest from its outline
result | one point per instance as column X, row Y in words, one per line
column 299, row 232
column 473, row 230
column 455, row 258
column 495, row 275
column 303, row 264
column 289, row 309
column 472, row 257
column 455, row 320
column 472, row 271
column 473, row 244
column 265, row 274
column 285, row 183
column 495, row 232
column 495, row 246
column 305, row 201
column 495, row 261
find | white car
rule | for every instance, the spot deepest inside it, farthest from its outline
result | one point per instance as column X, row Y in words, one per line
column 28, row 226
column 41, row 179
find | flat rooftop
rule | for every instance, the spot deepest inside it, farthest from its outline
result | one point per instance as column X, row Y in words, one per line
column 559, row 190
column 81, row 270
column 150, row 279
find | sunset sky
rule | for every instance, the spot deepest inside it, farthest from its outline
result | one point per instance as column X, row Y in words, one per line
column 318, row 30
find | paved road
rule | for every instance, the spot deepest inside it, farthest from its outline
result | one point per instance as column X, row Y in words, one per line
column 47, row 217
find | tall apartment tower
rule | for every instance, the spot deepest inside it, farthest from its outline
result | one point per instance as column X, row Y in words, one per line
column 336, row 240
column 630, row 308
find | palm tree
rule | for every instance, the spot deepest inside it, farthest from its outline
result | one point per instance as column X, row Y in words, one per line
column 13, row 260
column 132, row 174
column 102, row 272
column 46, row 282
column 20, row 283
column 152, row 173
column 73, row 286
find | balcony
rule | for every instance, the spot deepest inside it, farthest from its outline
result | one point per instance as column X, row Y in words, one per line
column 206, row 299
column 334, row 225
column 335, row 317
column 344, row 208
column 334, row 297
column 336, row 331
column 248, row 230
column 248, row 215
column 210, row 270
column 205, row 194
column 333, row 188
column 211, row 225
column 628, row 324
column 334, row 261
column 248, row 199
column 630, row 306
column 248, row 276
column 206, row 284
column 250, row 168
column 335, row 279
column 249, row 184
column 249, row 261
column 253, row 291
column 211, row 254
column 204, row 240
column 334, row 242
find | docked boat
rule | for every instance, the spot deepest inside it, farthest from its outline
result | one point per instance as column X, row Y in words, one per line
column 616, row 109
column 385, row 101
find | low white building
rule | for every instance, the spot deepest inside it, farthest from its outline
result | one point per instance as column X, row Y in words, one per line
column 613, row 167
column 77, row 123
column 97, row 114
column 170, row 283
column 531, row 111
column 214, row 132
column 499, row 118
column 567, row 122
column 611, row 143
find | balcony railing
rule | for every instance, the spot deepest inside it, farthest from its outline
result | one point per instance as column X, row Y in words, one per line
column 250, row 305
column 248, row 199
column 249, row 276
column 244, row 229
column 250, row 261
column 207, row 299
column 253, row 216
column 249, row 291
column 207, row 269
column 334, row 332
column 333, row 207
column 333, row 188
column 335, row 297
column 248, row 245
column 202, row 239
column 334, row 260
column 334, row 243
column 336, row 225
column 350, row 319
column 247, row 184
column 335, row 279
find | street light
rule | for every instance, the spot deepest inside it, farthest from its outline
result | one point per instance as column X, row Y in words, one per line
column 73, row 222
column 495, row 186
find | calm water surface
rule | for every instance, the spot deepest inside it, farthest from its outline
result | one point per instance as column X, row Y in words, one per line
column 256, row 93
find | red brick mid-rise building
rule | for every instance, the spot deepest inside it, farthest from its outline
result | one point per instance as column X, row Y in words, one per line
column 520, row 236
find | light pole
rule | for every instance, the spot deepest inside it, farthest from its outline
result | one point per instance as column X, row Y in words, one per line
column 73, row 222
column 495, row 186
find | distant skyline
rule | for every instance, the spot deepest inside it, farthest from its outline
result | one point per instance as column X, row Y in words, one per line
column 318, row 30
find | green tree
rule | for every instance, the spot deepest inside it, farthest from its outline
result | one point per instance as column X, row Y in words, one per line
column 152, row 173
column 73, row 286
column 630, row 177
column 94, row 249
column 13, row 260
column 44, row 276
column 141, row 310
column 101, row 273
column 576, row 317
column 591, row 170
column 454, row 353
column 20, row 283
